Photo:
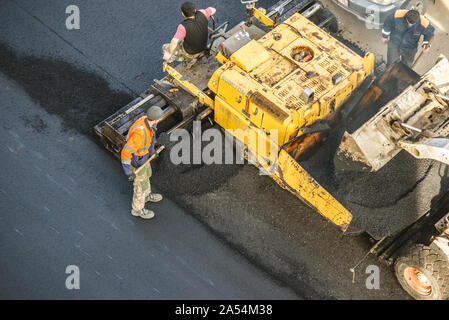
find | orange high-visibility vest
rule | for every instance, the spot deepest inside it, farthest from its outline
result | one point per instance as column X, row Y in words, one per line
column 138, row 141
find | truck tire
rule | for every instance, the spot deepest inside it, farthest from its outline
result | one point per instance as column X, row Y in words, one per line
column 418, row 5
column 423, row 273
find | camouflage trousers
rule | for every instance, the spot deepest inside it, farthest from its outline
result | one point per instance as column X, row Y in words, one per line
column 142, row 187
column 179, row 54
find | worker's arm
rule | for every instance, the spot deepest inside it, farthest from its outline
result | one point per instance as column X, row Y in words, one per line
column 126, row 163
column 208, row 12
column 171, row 48
column 128, row 151
column 428, row 34
column 212, row 11
column 387, row 28
column 179, row 35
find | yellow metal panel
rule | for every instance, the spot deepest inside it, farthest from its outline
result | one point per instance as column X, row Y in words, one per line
column 250, row 56
column 305, row 187
column 287, row 36
column 260, row 15
column 234, row 88
column 257, row 141
column 273, row 71
column 221, row 58
column 267, row 115
column 245, row 96
column 368, row 63
column 215, row 79
column 227, row 117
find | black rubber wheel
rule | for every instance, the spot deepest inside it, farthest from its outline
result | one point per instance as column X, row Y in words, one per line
column 419, row 5
column 423, row 273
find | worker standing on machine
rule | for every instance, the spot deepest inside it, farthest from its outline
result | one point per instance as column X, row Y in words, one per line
column 140, row 145
column 402, row 31
column 190, row 39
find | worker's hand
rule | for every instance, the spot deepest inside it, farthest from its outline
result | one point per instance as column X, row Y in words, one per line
column 425, row 49
column 167, row 56
column 131, row 177
column 384, row 40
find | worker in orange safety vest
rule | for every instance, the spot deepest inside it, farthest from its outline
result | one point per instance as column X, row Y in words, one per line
column 139, row 146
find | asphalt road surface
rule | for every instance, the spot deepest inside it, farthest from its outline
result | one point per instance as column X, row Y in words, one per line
column 221, row 231
column 63, row 199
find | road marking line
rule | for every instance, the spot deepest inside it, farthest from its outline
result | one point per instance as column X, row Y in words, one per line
column 115, row 227
column 185, row 264
column 118, row 276
column 38, row 155
column 110, row 223
column 67, row 190
column 81, row 250
column 15, row 135
column 49, row 177
column 16, row 230
column 210, row 282
column 54, row 230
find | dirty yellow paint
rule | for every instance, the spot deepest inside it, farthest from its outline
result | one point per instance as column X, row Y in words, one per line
column 259, row 14
column 260, row 92
column 304, row 186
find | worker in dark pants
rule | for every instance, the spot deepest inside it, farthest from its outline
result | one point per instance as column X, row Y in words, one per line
column 402, row 31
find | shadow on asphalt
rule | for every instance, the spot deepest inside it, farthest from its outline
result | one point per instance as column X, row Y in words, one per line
column 80, row 98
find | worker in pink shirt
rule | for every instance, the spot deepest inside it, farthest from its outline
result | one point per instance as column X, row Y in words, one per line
column 190, row 39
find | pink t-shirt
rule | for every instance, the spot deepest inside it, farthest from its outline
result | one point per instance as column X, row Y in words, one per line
column 181, row 31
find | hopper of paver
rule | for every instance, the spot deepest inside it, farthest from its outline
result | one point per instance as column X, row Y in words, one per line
column 416, row 121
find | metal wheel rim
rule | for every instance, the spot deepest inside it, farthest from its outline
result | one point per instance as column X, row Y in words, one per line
column 418, row 281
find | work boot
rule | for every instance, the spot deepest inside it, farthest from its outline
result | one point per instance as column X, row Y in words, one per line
column 153, row 197
column 144, row 213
